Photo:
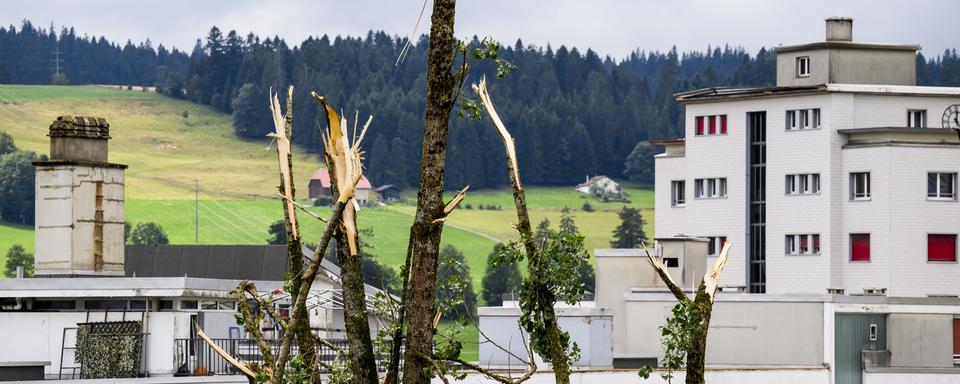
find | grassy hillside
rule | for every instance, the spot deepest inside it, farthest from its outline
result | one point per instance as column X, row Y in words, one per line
column 166, row 151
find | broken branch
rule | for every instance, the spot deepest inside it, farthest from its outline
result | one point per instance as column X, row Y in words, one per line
column 226, row 356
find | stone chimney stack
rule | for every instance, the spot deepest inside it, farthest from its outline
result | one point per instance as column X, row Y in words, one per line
column 839, row 29
column 79, row 207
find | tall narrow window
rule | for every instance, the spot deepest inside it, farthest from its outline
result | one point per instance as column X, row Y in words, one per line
column 723, row 186
column 804, row 184
column 859, row 247
column 804, row 118
column 791, row 184
column 715, row 244
column 917, row 118
column 803, row 66
column 941, row 247
column 815, row 183
column 713, row 125
column 791, row 120
column 699, row 125
column 698, row 188
column 816, row 118
column 678, row 193
column 956, row 339
column 723, row 124
column 860, row 186
column 942, row 185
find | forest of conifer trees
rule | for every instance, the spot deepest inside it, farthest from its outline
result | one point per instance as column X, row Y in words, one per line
column 574, row 113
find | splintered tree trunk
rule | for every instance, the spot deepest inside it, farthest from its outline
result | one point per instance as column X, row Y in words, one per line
column 425, row 232
column 295, row 256
column 697, row 350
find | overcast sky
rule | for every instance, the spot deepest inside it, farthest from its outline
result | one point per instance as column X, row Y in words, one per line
column 609, row 27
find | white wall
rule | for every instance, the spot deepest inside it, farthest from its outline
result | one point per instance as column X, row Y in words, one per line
column 910, row 377
column 898, row 215
column 38, row 336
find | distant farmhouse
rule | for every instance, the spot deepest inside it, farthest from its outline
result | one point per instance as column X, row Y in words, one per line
column 388, row 193
column 600, row 186
column 320, row 186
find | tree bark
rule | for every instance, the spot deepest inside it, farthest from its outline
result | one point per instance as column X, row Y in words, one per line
column 426, row 230
column 295, row 256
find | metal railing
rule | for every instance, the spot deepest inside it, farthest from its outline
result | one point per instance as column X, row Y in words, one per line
column 194, row 357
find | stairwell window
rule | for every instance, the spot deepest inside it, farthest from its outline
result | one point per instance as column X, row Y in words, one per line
column 710, row 188
column 803, row 66
column 678, row 193
column 917, row 118
column 860, row 186
column 803, row 244
column 941, row 186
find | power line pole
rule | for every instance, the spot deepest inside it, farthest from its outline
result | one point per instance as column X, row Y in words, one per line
column 196, row 211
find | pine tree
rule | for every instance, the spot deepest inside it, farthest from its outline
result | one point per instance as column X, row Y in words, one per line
column 629, row 234
column 499, row 279
column 16, row 257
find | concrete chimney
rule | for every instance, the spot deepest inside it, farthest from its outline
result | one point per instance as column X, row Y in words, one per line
column 839, row 29
column 79, row 207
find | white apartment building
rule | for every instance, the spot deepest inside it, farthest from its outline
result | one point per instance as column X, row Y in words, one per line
column 840, row 179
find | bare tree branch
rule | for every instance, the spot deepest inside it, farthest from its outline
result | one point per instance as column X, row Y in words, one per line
column 226, row 356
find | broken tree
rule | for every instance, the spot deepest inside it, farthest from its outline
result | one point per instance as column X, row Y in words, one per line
column 695, row 314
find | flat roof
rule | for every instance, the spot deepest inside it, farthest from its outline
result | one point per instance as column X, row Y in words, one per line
column 73, row 287
column 662, row 294
column 846, row 45
column 725, row 93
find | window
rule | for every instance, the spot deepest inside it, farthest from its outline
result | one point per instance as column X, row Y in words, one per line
column 166, row 305
column 917, row 118
column 208, row 305
column 104, row 304
column 226, row 305
column 138, row 304
column 799, row 119
column 188, row 304
column 860, row 186
column 803, row 66
column 942, row 185
column 715, row 244
column 671, row 262
column 54, row 305
column 678, row 193
column 803, row 184
column 941, row 247
column 806, row 244
column 708, row 125
column 859, row 247
column 710, row 188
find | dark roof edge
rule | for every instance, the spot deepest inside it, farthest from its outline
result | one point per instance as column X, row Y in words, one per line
column 846, row 45
column 56, row 163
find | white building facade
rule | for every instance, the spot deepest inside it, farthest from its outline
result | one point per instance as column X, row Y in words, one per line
column 829, row 182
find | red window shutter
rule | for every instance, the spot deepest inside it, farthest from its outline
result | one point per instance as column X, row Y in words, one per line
column 723, row 240
column 816, row 243
column 713, row 125
column 941, row 247
column 723, row 124
column 956, row 337
column 699, row 125
column 803, row 244
column 860, row 247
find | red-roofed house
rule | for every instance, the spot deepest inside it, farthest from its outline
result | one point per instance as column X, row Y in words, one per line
column 320, row 186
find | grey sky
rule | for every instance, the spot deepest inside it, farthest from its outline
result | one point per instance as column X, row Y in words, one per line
column 609, row 27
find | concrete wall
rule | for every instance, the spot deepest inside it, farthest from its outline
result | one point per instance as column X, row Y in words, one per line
column 741, row 333
column 920, row 340
column 590, row 328
column 848, row 66
column 38, row 336
column 65, row 242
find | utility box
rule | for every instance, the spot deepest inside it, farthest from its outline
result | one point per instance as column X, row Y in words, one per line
column 79, row 202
